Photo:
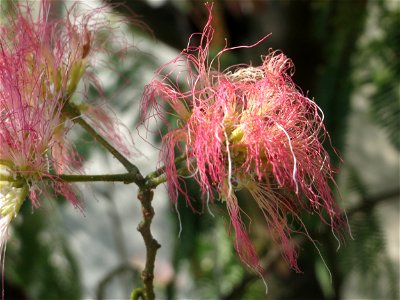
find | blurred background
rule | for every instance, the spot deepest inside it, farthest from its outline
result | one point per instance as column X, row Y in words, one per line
column 347, row 57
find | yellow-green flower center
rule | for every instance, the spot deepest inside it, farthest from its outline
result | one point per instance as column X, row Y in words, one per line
column 12, row 192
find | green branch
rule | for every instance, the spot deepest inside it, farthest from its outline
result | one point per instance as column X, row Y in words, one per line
column 125, row 178
column 161, row 171
column 152, row 183
column 123, row 268
column 137, row 294
column 159, row 176
column 75, row 115
column 145, row 196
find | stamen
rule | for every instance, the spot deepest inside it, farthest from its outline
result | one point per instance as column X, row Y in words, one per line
column 294, row 157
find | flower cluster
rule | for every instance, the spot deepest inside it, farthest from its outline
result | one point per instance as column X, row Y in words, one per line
column 245, row 128
column 42, row 60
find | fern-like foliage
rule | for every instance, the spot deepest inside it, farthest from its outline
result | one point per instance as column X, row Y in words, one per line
column 381, row 60
column 366, row 256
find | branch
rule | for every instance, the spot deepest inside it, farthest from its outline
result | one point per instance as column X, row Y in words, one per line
column 145, row 197
column 137, row 294
column 122, row 268
column 161, row 170
column 74, row 114
column 125, row 178
column 159, row 176
column 369, row 202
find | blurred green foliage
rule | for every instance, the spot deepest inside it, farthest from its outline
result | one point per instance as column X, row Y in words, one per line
column 380, row 58
column 38, row 258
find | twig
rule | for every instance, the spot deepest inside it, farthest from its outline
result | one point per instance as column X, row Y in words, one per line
column 124, row 177
column 145, row 197
column 75, row 115
column 161, row 170
column 368, row 203
column 159, row 176
column 137, row 294
column 122, row 268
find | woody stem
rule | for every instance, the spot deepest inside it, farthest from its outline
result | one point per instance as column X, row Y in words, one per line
column 145, row 197
column 124, row 177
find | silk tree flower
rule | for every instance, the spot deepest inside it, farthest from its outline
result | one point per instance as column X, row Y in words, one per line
column 32, row 137
column 244, row 128
column 64, row 50
column 42, row 60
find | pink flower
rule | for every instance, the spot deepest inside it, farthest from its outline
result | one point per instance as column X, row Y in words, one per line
column 31, row 128
column 42, row 61
column 63, row 50
column 245, row 128
column 37, row 72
